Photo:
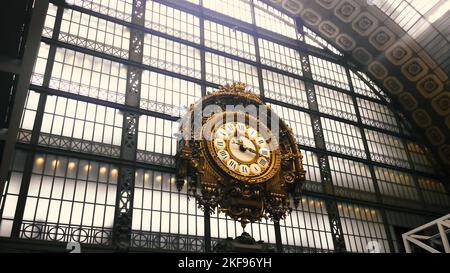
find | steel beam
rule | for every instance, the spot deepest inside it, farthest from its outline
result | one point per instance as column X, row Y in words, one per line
column 33, row 38
column 11, row 65
column 125, row 186
column 324, row 167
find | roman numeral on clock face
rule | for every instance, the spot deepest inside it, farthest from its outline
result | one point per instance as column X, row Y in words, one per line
column 230, row 128
column 260, row 141
column 244, row 169
column 223, row 155
column 255, row 168
column 263, row 162
column 232, row 164
column 221, row 133
column 252, row 133
column 219, row 143
column 240, row 127
column 265, row 152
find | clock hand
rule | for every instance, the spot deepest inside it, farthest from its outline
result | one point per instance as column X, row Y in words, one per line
column 237, row 143
column 240, row 141
column 245, row 148
column 255, row 152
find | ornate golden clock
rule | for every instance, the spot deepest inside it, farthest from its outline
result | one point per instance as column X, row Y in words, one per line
column 240, row 157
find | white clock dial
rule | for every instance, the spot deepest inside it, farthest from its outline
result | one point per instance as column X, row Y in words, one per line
column 242, row 149
column 232, row 164
column 219, row 143
column 260, row 141
column 255, row 169
column 244, row 169
column 223, row 155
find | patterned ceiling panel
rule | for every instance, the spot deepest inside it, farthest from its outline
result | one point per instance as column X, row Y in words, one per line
column 390, row 56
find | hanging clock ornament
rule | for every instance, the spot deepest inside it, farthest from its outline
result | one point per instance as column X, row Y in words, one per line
column 244, row 162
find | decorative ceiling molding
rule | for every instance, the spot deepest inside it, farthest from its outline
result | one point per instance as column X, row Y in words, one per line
column 390, row 56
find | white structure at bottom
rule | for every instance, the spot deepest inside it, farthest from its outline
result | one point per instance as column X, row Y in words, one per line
column 424, row 241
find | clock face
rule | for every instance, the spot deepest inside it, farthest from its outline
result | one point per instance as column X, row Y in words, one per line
column 242, row 151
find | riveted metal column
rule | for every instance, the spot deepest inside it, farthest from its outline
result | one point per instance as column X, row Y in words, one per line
column 23, row 71
column 324, row 167
column 207, row 212
column 202, row 50
column 125, row 186
column 257, row 52
column 34, row 140
column 369, row 159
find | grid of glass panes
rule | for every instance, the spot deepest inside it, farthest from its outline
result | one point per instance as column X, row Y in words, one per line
column 229, row 40
column 284, row 88
column 386, row 149
column 363, row 228
column 405, row 125
column 377, row 115
column 274, row 20
column 378, row 92
column 307, row 227
column 362, row 88
column 419, row 158
column 86, row 75
column 335, row 103
column 223, row 227
column 172, row 21
column 156, row 135
column 433, row 192
column 416, row 17
column 81, row 126
column 111, row 8
column 313, row 39
column 50, row 21
column 342, row 138
column 239, row 9
column 281, row 57
column 70, row 199
column 29, row 112
column 328, row 72
column 395, row 183
column 10, row 194
column 310, row 163
column 94, row 33
column 300, row 122
column 172, row 56
column 39, row 66
column 160, row 211
column 120, row 9
column 165, row 94
column 350, row 174
column 222, row 70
